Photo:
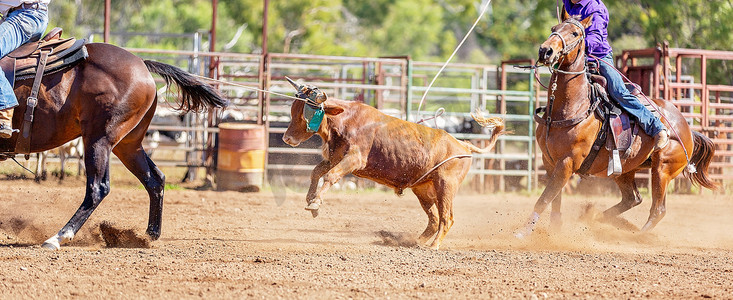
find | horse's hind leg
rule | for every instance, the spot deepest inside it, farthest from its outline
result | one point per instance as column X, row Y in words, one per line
column 130, row 151
column 660, row 180
column 556, row 214
column 629, row 196
column 428, row 198
column 97, row 162
column 137, row 161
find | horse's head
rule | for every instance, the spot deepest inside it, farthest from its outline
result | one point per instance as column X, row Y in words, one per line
column 307, row 116
column 564, row 39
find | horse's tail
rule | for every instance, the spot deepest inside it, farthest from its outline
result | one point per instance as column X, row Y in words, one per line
column 702, row 154
column 497, row 129
column 194, row 94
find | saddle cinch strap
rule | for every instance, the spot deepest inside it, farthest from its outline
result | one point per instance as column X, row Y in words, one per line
column 33, row 60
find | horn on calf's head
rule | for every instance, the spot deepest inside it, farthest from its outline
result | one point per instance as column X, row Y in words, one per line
column 295, row 85
column 308, row 91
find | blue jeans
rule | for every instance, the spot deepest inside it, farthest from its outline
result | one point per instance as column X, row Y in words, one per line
column 19, row 27
column 628, row 102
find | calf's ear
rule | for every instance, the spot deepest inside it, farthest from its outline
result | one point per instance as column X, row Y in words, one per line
column 333, row 110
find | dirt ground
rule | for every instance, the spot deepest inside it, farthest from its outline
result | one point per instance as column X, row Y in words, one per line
column 264, row 245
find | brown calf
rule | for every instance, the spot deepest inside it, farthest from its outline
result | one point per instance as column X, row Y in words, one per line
column 360, row 140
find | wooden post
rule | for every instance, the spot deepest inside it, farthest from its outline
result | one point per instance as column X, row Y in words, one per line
column 107, row 9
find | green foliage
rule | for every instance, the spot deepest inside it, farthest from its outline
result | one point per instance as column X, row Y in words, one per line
column 423, row 29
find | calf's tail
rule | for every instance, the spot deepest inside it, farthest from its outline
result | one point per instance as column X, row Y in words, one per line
column 496, row 125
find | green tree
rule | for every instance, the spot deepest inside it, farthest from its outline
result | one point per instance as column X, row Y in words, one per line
column 423, row 29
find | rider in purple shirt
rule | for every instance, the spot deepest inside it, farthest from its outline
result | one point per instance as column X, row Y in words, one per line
column 596, row 44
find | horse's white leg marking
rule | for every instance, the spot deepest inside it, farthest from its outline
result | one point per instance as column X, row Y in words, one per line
column 529, row 227
column 54, row 242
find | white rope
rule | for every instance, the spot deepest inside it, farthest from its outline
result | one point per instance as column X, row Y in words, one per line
column 437, row 166
column 451, row 57
column 248, row 87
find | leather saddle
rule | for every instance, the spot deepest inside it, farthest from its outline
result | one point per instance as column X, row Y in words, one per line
column 22, row 63
column 617, row 123
column 594, row 76
column 33, row 60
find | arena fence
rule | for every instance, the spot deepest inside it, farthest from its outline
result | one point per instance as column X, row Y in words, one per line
column 395, row 85
column 681, row 76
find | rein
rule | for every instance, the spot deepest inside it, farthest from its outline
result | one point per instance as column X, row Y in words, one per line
column 22, row 166
column 555, row 70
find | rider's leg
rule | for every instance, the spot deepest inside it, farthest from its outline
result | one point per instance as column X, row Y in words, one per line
column 19, row 27
column 651, row 125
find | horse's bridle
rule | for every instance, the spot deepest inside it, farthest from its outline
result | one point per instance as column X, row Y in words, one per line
column 566, row 48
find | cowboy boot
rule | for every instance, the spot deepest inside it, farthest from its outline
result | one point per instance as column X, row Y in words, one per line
column 661, row 140
column 6, row 123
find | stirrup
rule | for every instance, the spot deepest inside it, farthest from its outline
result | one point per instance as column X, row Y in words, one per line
column 7, row 131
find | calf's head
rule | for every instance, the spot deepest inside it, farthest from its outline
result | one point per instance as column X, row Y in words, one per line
column 309, row 115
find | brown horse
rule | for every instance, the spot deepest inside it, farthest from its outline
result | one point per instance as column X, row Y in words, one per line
column 107, row 99
column 565, row 145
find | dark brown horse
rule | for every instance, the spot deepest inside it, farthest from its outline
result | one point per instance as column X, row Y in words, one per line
column 564, row 148
column 107, row 99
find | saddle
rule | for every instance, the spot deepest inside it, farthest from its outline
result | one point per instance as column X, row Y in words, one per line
column 22, row 63
column 616, row 123
column 32, row 60
column 594, row 76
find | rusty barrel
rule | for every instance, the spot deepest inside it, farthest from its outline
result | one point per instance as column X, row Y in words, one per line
column 241, row 157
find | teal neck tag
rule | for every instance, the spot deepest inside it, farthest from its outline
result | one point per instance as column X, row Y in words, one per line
column 314, row 117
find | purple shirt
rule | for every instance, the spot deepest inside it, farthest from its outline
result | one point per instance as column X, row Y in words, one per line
column 596, row 36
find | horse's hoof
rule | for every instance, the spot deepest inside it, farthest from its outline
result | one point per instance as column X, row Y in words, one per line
column 555, row 222
column 648, row 226
column 522, row 234
column 154, row 236
column 51, row 245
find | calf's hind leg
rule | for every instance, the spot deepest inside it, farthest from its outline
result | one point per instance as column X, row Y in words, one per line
column 445, row 191
column 428, row 198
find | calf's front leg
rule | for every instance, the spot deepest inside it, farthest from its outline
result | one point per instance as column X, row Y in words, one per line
column 318, row 172
column 351, row 162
